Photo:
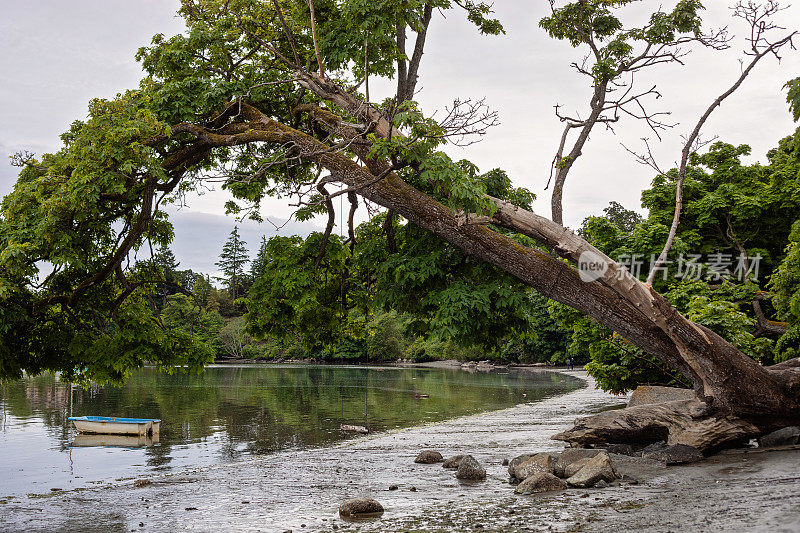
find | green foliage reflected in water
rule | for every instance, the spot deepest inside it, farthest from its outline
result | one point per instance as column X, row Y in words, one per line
column 227, row 412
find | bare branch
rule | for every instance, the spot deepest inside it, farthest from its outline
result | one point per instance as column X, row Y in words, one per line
column 467, row 118
column 759, row 18
column 316, row 41
column 286, row 30
column 416, row 57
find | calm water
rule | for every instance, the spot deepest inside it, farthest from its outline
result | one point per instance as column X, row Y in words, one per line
column 230, row 412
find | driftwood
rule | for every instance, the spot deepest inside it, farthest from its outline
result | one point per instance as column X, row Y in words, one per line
column 689, row 422
column 357, row 429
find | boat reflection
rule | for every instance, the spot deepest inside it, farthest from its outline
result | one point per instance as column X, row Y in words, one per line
column 83, row 440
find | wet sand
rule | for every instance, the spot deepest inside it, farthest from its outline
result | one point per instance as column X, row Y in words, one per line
column 300, row 490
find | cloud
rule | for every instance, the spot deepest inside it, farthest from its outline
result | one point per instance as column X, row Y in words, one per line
column 58, row 55
column 199, row 237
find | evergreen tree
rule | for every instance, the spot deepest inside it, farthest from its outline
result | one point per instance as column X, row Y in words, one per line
column 259, row 264
column 164, row 260
column 232, row 261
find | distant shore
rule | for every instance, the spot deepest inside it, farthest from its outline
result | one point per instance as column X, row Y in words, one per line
column 444, row 363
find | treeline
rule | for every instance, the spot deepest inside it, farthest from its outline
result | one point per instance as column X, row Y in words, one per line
column 387, row 291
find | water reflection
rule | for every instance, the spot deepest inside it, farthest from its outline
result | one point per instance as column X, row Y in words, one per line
column 229, row 412
column 83, row 440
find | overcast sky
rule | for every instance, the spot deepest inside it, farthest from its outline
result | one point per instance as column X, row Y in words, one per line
column 57, row 55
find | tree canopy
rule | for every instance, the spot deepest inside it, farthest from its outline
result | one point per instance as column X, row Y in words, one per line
column 272, row 98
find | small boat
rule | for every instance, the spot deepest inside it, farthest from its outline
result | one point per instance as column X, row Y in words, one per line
column 107, row 425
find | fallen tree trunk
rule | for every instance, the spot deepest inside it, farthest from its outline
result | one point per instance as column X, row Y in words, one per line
column 688, row 422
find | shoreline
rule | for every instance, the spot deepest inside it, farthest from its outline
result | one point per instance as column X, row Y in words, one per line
column 300, row 490
column 439, row 363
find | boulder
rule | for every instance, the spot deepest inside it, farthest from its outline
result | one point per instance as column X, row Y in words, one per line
column 675, row 455
column 647, row 394
column 659, row 446
column 512, row 464
column 470, row 470
column 636, row 469
column 622, row 449
column 539, row 463
column 453, row 462
column 783, row 437
column 541, row 482
column 569, row 456
column 428, row 457
column 574, row 468
column 597, row 468
column 360, row 507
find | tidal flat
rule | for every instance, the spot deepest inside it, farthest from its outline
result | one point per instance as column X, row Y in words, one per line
column 300, row 489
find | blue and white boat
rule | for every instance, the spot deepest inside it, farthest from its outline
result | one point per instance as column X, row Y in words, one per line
column 107, row 425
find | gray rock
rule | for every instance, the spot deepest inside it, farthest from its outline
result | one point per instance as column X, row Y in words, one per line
column 470, row 470
column 428, row 457
column 636, row 468
column 655, row 447
column 675, row 455
column 574, row 468
column 783, row 437
column 597, row 468
column 569, row 456
column 647, row 394
column 538, row 464
column 452, row 462
column 517, row 460
column 622, row 449
column 360, row 507
column 541, row 482
column 600, row 484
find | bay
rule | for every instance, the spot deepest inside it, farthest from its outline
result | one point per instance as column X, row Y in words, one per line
column 228, row 413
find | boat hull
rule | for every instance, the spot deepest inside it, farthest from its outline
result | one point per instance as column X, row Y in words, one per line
column 116, row 426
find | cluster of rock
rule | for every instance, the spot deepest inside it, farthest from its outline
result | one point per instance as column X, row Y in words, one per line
column 578, row 467
column 531, row 473
column 480, row 366
column 467, row 467
column 574, row 467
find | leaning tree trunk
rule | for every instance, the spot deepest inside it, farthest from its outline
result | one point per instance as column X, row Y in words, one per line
column 728, row 383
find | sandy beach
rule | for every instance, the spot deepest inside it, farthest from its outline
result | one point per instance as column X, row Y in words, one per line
column 300, row 490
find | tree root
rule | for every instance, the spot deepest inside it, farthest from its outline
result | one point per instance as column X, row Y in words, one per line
column 688, row 422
